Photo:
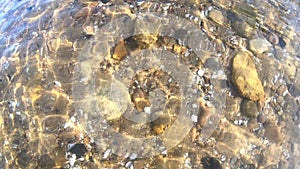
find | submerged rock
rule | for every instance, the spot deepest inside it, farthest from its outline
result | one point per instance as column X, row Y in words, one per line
column 272, row 132
column 249, row 108
column 259, row 45
column 245, row 77
column 216, row 16
column 243, row 29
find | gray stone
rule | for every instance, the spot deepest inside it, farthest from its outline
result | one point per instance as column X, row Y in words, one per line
column 259, row 45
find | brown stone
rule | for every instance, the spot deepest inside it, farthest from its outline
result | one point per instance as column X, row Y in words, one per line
column 249, row 108
column 216, row 16
column 245, row 77
column 120, row 51
column 272, row 132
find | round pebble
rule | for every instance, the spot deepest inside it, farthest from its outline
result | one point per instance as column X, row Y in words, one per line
column 273, row 38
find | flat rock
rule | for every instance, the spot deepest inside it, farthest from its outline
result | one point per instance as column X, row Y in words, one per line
column 272, row 132
column 216, row 16
column 245, row 77
column 243, row 29
column 259, row 45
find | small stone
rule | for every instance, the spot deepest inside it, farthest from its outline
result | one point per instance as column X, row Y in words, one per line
column 89, row 30
column 105, row 1
column 272, row 154
column 120, row 51
column 158, row 129
column 252, row 124
column 106, row 154
column 289, row 68
column 45, row 161
column 210, row 162
column 259, row 45
column 282, row 43
column 216, row 16
column 204, row 115
column 243, row 29
column 295, row 89
column 86, row 11
column 261, row 118
column 245, row 77
column 273, row 38
column 133, row 156
column 52, row 124
column 78, row 149
column 147, row 110
column 194, row 118
column 200, row 72
column 141, row 104
column 272, row 132
column 179, row 49
column 249, row 108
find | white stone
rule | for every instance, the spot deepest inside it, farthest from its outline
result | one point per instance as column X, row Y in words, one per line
column 72, row 159
column 68, row 124
column 194, row 105
column 57, row 83
column 200, row 72
column 194, row 118
column 133, row 156
column 147, row 110
column 106, row 154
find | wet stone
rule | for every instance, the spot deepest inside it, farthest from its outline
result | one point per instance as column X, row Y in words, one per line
column 261, row 118
column 23, row 158
column 49, row 103
column 289, row 68
column 78, row 149
column 245, row 77
column 53, row 124
column 271, row 68
column 281, row 42
column 273, row 38
column 272, row 132
column 249, row 108
column 259, row 45
column 63, row 72
column 252, row 124
column 243, row 29
column 120, row 51
column 46, row 162
column 216, row 16
column 210, row 162
column 272, row 154
column 2, row 161
column 295, row 89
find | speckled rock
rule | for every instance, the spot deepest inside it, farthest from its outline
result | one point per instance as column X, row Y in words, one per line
column 259, row 45
column 245, row 77
column 216, row 16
